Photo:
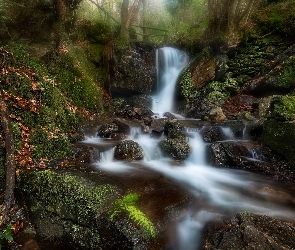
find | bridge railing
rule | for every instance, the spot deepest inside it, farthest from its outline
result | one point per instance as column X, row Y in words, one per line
column 146, row 33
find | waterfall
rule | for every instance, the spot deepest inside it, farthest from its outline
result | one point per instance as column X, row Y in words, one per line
column 169, row 63
column 217, row 191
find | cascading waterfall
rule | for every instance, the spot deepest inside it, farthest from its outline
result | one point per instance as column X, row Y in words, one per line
column 169, row 63
column 219, row 191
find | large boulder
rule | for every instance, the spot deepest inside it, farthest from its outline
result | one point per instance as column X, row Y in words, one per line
column 126, row 81
column 215, row 115
column 177, row 148
column 207, row 67
column 63, row 207
column 128, row 150
column 250, row 231
column 279, row 136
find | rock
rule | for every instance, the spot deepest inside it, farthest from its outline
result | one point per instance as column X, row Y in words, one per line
column 279, row 136
column 250, row 231
column 157, row 126
column 215, row 115
column 30, row 245
column 214, row 134
column 276, row 77
column 203, row 70
column 63, row 206
column 176, row 148
column 172, row 125
column 221, row 67
column 130, row 112
column 124, row 126
column 128, row 150
column 241, row 155
column 240, row 103
column 125, row 80
column 227, row 154
column 108, row 130
column 282, row 108
column 169, row 115
column 140, row 101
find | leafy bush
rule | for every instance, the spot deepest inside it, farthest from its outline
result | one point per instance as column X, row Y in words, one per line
column 6, row 235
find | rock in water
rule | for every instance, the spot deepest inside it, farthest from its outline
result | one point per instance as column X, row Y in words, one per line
column 128, row 150
column 251, row 231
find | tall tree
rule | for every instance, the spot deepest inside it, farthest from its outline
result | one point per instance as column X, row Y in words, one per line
column 226, row 18
column 128, row 15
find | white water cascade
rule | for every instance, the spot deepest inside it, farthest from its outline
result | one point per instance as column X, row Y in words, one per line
column 169, row 63
column 216, row 191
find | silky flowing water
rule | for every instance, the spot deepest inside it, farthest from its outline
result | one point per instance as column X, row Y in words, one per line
column 214, row 192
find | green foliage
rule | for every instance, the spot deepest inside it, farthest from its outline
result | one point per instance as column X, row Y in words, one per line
column 186, row 84
column 6, row 234
column 188, row 20
column 76, row 79
column 287, row 74
column 217, row 93
column 284, row 107
column 278, row 18
column 127, row 204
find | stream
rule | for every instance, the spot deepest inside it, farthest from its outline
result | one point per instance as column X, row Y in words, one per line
column 192, row 191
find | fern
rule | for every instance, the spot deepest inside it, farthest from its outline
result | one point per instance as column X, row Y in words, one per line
column 127, row 203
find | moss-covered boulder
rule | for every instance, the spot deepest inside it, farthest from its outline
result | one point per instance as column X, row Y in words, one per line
column 64, row 206
column 83, row 211
column 128, row 150
column 283, row 108
column 251, row 231
column 280, row 137
column 176, row 148
column 172, row 126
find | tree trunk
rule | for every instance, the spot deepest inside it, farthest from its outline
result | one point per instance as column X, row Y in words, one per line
column 124, row 33
column 10, row 161
column 128, row 16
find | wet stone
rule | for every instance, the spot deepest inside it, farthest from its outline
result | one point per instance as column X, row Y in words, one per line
column 128, row 150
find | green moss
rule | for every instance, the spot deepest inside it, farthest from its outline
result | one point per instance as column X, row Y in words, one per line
column 128, row 204
column 186, row 86
column 277, row 18
column 46, row 146
column 76, row 78
column 280, row 137
column 283, row 107
column 175, row 148
column 287, row 74
column 66, row 195
column 64, row 206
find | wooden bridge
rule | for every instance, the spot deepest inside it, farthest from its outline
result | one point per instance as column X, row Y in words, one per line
column 146, row 33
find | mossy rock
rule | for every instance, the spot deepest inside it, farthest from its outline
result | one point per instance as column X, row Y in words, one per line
column 283, row 108
column 280, row 137
column 251, row 231
column 68, row 204
column 128, row 150
column 172, row 125
column 177, row 148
